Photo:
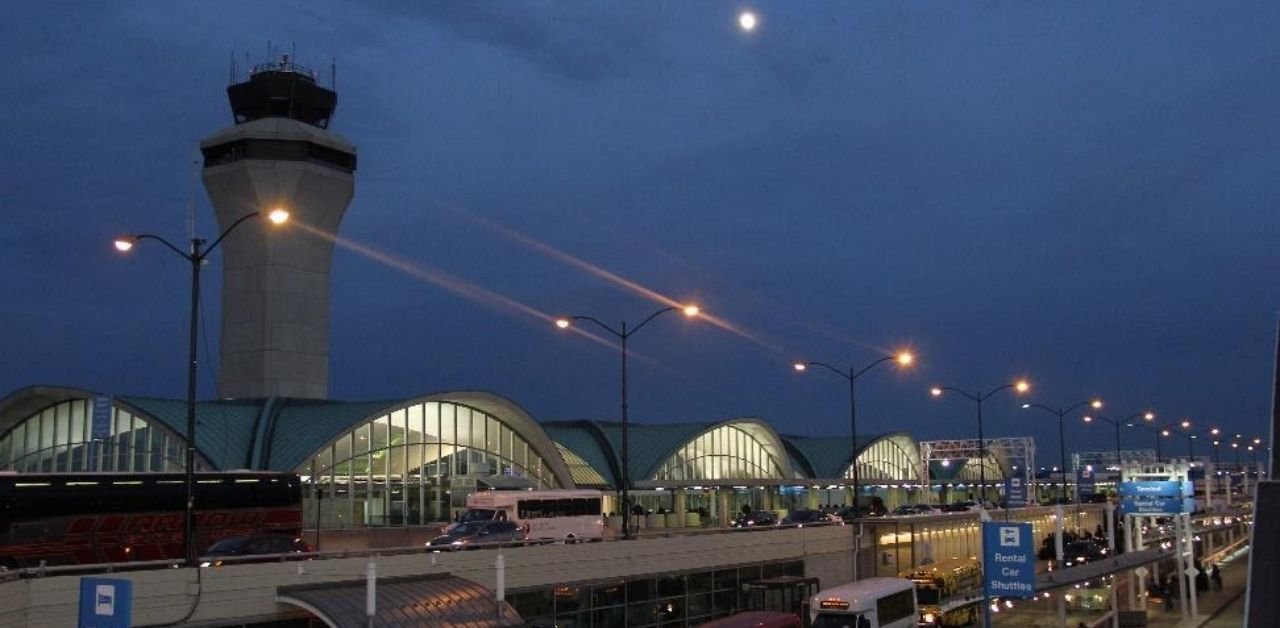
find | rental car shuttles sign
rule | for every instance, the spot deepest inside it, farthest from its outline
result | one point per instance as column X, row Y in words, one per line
column 1008, row 560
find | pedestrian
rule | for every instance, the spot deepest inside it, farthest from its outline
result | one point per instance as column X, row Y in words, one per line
column 1216, row 577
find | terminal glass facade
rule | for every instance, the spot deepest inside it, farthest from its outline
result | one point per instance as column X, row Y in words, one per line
column 60, row 439
column 415, row 465
column 726, row 452
column 678, row 599
column 889, row 460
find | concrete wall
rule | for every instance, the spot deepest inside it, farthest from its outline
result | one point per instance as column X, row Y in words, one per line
column 247, row 592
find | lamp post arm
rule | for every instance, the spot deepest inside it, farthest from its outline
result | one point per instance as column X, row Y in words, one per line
column 603, row 326
column 1057, row 413
column 228, row 230
column 1078, row 404
column 148, row 236
column 871, row 366
column 651, row 317
column 971, row 396
column 833, row 369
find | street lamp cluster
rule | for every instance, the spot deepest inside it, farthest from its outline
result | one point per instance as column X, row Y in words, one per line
column 196, row 257
column 624, row 334
column 198, row 253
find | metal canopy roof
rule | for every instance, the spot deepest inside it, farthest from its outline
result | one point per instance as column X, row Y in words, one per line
column 432, row 600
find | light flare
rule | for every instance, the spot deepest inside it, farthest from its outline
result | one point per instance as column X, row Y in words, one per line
column 617, row 280
column 456, row 285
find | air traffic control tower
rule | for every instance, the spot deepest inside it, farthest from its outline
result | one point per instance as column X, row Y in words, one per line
column 275, row 281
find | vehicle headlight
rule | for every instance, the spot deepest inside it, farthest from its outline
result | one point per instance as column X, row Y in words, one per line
column 205, row 564
column 929, row 618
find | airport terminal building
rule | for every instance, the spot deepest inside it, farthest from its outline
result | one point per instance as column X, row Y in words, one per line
column 413, row 461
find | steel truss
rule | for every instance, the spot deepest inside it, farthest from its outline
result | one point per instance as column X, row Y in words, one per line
column 1003, row 454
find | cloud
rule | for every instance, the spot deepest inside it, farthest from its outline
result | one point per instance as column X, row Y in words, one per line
column 569, row 42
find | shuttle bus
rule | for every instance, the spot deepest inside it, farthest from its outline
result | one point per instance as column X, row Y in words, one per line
column 949, row 591
column 555, row 515
column 866, row 603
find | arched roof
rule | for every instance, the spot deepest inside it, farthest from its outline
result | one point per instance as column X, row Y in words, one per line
column 278, row 434
column 600, row 443
column 830, row 457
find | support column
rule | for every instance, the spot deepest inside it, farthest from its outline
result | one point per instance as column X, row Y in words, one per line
column 722, row 501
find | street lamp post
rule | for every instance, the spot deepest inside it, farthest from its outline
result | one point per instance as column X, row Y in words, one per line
column 1061, row 413
column 1020, row 386
column 902, row 358
column 196, row 258
column 1117, row 424
column 623, row 334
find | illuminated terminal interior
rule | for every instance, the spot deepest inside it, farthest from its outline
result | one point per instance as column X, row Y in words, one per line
column 413, row 461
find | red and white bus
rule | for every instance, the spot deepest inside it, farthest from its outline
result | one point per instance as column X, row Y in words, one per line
column 88, row 518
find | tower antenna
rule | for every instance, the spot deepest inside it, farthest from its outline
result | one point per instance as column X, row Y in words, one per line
column 231, row 79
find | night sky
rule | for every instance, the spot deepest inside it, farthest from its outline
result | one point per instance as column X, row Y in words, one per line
column 1084, row 194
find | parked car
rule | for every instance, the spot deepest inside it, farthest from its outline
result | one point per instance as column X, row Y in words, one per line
column 268, row 547
column 804, row 516
column 961, row 506
column 1078, row 553
column 477, row 533
column 755, row 519
column 906, row 510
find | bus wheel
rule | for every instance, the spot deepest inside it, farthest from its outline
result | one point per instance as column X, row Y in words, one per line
column 570, row 540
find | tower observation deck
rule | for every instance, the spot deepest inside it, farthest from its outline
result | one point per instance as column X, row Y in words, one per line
column 279, row 153
column 282, row 89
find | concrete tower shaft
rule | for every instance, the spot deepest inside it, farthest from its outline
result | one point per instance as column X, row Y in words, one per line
column 275, row 292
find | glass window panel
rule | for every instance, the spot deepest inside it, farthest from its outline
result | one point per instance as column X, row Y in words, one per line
column 493, row 436
column 362, row 443
column 342, row 455
column 413, row 424
column 477, row 430
column 381, row 433
column 448, row 424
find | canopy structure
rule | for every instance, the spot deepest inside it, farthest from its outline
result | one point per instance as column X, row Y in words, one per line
column 435, row 600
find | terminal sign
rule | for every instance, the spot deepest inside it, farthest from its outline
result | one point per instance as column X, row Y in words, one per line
column 1015, row 492
column 1008, row 560
column 105, row 603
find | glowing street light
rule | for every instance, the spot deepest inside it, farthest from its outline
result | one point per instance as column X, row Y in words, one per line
column 903, row 359
column 1061, row 413
column 1021, row 386
column 196, row 257
column 624, row 334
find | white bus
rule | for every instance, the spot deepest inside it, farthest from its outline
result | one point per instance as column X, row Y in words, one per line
column 867, row 603
column 563, row 515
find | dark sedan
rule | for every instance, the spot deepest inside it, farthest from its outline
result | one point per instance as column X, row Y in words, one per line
column 477, row 533
column 756, row 519
column 267, row 547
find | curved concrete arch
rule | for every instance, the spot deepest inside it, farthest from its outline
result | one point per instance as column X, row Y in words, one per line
column 901, row 441
column 24, row 402
column 497, row 406
column 755, row 427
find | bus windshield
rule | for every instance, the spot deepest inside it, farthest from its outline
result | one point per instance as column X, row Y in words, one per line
column 926, row 594
column 840, row 620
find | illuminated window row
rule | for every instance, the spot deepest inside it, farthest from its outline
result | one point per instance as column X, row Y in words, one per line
column 59, row 438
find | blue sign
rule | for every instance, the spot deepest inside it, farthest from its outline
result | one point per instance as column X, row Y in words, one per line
column 1158, row 497
column 105, row 603
column 1085, row 485
column 1156, row 488
column 1015, row 492
column 101, row 421
column 1008, row 560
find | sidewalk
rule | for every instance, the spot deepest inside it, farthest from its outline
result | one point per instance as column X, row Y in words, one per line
column 1234, row 575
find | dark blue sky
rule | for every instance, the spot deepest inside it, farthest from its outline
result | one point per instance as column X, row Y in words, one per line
column 1081, row 193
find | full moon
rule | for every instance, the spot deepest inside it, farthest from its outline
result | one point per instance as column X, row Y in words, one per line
column 747, row 20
